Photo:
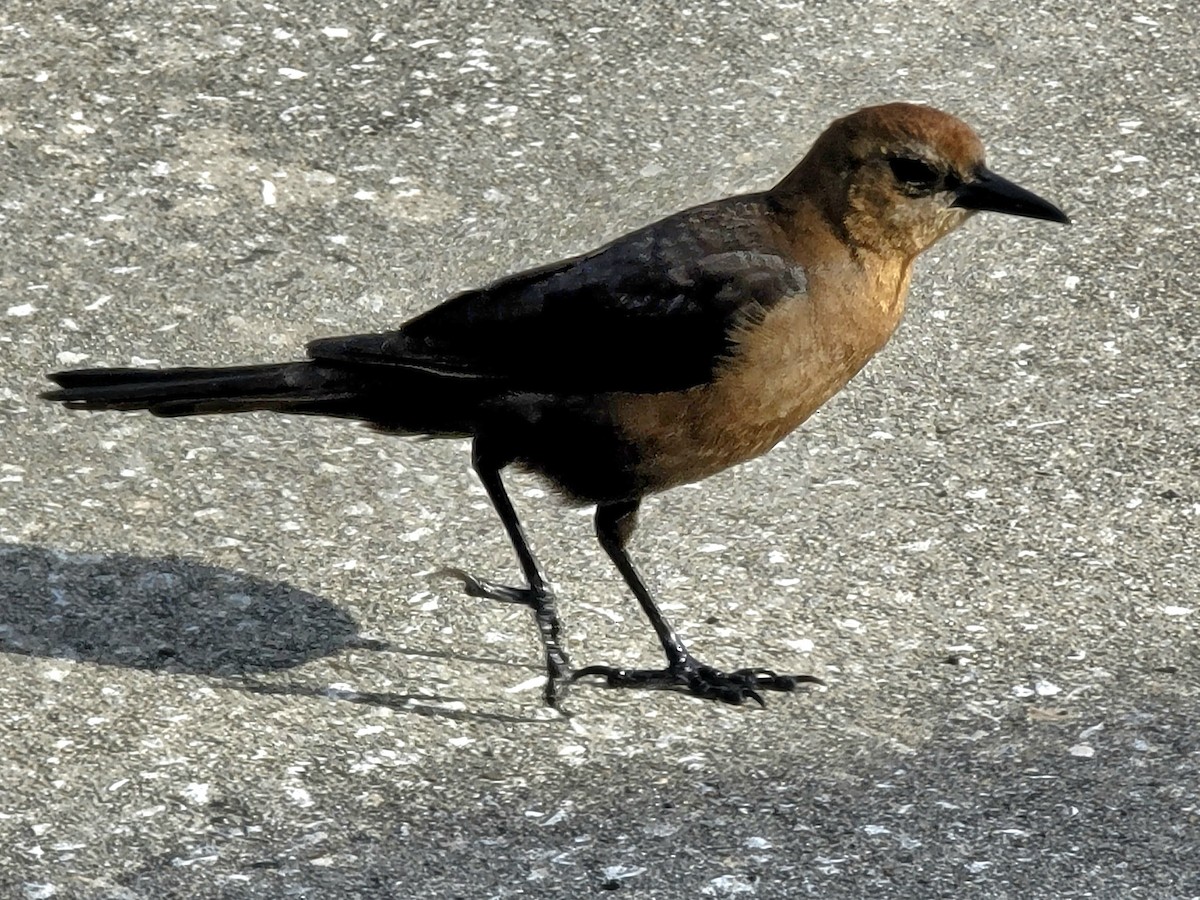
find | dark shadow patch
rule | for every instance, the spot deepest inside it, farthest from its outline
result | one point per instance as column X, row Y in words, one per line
column 162, row 614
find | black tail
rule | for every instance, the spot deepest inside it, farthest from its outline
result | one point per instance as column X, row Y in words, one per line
column 300, row 387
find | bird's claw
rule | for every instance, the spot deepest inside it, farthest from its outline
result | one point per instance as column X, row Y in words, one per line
column 700, row 680
column 489, row 590
column 559, row 674
column 686, row 676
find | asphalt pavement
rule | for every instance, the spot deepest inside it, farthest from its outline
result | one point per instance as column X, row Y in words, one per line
column 227, row 666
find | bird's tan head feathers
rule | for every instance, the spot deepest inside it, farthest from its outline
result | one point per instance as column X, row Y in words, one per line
column 893, row 179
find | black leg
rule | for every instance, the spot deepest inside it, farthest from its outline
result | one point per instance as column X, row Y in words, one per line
column 537, row 595
column 615, row 523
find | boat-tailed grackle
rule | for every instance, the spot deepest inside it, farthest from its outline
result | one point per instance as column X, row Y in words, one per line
column 682, row 348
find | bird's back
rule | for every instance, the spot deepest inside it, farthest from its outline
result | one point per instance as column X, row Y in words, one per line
column 647, row 313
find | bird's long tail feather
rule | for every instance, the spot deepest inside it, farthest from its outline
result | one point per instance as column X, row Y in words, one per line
column 300, row 387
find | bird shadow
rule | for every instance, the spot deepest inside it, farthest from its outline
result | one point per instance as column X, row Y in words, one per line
column 163, row 614
column 173, row 615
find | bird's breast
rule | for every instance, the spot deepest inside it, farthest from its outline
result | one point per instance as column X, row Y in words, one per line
column 783, row 367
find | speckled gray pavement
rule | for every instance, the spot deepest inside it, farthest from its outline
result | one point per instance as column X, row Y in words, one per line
column 226, row 669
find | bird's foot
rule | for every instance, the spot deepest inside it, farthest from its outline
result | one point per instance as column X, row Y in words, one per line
column 692, row 677
column 488, row 590
column 559, row 674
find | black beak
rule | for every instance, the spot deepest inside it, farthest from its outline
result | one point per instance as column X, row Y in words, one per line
column 988, row 191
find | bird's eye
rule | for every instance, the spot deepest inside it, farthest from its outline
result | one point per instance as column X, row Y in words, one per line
column 916, row 172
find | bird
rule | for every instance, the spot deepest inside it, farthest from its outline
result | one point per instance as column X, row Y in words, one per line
column 675, row 351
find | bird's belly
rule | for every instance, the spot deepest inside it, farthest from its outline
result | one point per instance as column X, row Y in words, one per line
column 689, row 435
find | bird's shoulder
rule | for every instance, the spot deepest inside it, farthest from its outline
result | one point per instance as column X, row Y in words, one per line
column 710, row 257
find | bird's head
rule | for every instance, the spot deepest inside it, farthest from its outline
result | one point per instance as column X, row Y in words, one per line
column 895, row 178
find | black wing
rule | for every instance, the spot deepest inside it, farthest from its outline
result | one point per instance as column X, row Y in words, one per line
column 649, row 312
